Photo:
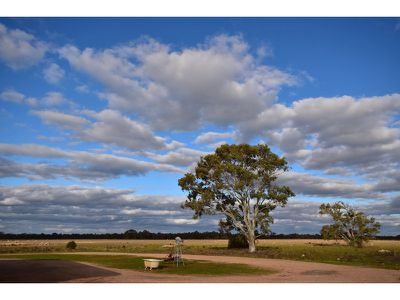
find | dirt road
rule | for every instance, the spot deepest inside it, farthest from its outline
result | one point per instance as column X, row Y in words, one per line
column 287, row 271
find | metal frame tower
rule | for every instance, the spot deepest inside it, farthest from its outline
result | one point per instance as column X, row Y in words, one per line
column 178, row 252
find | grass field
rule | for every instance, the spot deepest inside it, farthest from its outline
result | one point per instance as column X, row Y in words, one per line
column 304, row 250
column 192, row 267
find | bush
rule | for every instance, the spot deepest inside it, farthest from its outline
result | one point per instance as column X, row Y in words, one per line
column 237, row 241
column 71, row 245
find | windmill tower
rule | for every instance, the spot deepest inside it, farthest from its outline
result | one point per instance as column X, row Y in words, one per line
column 178, row 252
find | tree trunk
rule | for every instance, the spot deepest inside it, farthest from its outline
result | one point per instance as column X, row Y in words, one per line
column 252, row 244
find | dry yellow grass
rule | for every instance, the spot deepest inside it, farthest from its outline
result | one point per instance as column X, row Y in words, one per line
column 187, row 243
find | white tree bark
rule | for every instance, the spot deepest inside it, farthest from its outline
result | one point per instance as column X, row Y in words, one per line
column 252, row 242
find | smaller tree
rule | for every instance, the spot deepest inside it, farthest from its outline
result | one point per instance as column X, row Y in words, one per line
column 350, row 225
column 71, row 245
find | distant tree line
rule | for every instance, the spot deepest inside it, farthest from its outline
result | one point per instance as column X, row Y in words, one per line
column 147, row 235
column 129, row 234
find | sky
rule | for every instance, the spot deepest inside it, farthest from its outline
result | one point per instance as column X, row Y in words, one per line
column 100, row 117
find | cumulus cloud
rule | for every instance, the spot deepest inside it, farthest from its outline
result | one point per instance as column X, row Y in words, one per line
column 49, row 99
column 312, row 185
column 350, row 117
column 275, row 117
column 334, row 120
column 288, row 139
column 53, row 73
column 182, row 221
column 17, row 97
column 61, row 119
column 213, row 136
column 80, row 164
column 154, row 212
column 153, row 89
column 389, row 182
column 342, row 135
column 32, row 150
column 218, row 81
column 12, row 96
column 83, row 88
column 110, row 128
column 181, row 157
column 113, row 128
column 19, row 49
column 53, row 99
column 43, row 208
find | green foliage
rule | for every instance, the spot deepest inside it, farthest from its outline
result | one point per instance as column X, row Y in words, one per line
column 237, row 241
column 350, row 225
column 71, row 245
column 238, row 181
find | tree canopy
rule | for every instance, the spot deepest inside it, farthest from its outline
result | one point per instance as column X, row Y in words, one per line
column 350, row 225
column 239, row 182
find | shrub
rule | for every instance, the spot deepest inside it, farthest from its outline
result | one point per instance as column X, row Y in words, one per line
column 71, row 245
column 237, row 241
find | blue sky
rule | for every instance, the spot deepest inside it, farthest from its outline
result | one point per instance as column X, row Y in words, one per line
column 101, row 116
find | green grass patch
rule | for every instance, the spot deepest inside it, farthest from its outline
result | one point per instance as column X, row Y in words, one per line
column 191, row 267
column 339, row 255
column 310, row 250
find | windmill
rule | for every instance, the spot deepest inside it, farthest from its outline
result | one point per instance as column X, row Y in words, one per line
column 178, row 251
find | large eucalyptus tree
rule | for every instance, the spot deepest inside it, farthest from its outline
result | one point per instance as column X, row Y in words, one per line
column 238, row 182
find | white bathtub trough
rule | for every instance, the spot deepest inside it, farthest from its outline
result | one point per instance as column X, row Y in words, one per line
column 151, row 263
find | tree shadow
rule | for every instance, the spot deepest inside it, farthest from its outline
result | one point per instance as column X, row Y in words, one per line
column 47, row 271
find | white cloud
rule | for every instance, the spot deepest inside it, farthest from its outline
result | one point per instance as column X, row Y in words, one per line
column 342, row 133
column 212, row 136
column 113, row 128
column 182, row 221
column 32, row 208
column 83, row 88
column 31, row 101
column 110, row 128
column 288, row 139
column 53, row 99
column 218, row 81
column 12, row 96
column 217, row 144
column 31, row 150
column 150, row 212
column 152, row 88
column 80, row 164
column 312, row 185
column 53, row 73
column 181, row 157
column 44, row 208
column 49, row 99
column 19, row 49
column 61, row 119
column 174, row 145
column 275, row 117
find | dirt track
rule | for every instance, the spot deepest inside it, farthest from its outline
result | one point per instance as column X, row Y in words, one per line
column 288, row 271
